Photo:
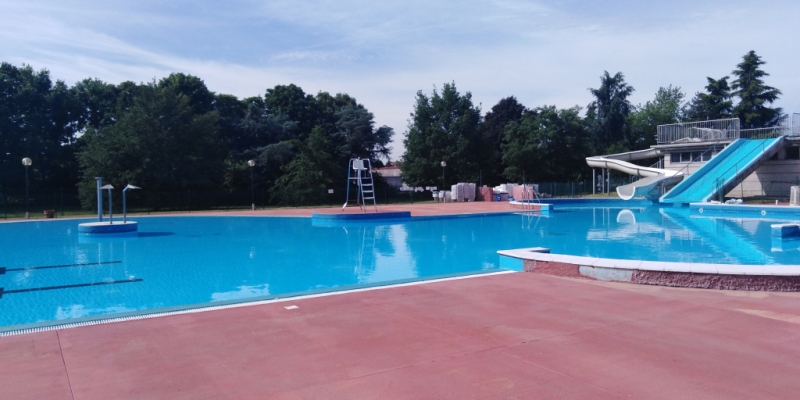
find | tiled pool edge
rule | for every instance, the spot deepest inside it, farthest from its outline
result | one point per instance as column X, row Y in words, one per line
column 775, row 278
column 193, row 309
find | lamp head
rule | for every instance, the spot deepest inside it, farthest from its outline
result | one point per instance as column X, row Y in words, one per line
column 251, row 163
column 131, row 187
column 444, row 164
column 109, row 187
column 27, row 162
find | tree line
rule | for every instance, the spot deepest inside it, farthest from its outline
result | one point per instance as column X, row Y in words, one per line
column 174, row 134
column 511, row 142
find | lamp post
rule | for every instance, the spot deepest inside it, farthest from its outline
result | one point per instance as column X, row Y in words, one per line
column 444, row 164
column 252, row 164
column 27, row 163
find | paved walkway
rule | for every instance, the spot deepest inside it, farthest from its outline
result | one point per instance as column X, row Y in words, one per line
column 521, row 335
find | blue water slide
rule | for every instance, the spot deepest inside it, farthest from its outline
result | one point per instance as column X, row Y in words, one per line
column 724, row 171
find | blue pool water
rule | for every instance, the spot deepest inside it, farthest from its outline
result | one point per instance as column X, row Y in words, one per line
column 180, row 262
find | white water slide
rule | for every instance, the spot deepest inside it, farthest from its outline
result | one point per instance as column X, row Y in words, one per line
column 653, row 179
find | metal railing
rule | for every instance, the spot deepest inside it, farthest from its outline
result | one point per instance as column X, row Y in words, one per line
column 701, row 131
column 766, row 133
column 528, row 196
column 725, row 129
column 795, row 130
column 722, row 179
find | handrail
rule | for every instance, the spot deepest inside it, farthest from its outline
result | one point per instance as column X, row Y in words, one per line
column 713, row 146
column 744, row 134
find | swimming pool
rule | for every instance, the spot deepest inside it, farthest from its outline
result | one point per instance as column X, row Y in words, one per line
column 51, row 274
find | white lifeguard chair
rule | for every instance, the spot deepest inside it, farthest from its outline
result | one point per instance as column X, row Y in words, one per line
column 359, row 172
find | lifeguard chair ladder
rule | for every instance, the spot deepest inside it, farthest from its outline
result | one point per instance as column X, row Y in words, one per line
column 359, row 172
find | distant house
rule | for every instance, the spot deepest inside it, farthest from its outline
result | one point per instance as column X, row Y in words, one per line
column 391, row 174
column 394, row 177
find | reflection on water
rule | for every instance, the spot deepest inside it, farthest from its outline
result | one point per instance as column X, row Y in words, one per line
column 79, row 310
column 383, row 254
column 242, row 292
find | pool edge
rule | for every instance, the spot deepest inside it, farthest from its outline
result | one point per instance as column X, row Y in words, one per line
column 773, row 278
column 47, row 326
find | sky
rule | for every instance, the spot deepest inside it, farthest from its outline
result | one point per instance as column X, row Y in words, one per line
column 382, row 53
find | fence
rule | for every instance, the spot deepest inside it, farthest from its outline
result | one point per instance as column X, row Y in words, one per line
column 725, row 129
column 65, row 201
column 701, row 131
column 13, row 203
column 579, row 188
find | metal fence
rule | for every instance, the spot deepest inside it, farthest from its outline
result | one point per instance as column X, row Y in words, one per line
column 795, row 124
column 701, row 131
column 766, row 133
column 65, row 201
column 580, row 188
column 725, row 129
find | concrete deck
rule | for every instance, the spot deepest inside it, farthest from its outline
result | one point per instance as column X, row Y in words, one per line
column 518, row 335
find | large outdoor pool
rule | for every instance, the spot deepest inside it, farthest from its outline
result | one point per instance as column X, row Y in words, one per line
column 49, row 273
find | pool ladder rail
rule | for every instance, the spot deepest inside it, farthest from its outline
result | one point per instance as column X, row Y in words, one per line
column 528, row 196
column 359, row 171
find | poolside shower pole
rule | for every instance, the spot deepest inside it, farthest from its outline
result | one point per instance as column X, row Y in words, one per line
column 124, row 202
column 110, row 215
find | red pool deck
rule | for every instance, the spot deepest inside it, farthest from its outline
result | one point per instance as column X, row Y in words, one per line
column 520, row 335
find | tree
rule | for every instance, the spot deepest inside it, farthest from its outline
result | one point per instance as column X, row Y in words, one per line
column 754, row 95
column 714, row 104
column 443, row 127
column 200, row 98
column 356, row 136
column 296, row 105
column 644, row 120
column 160, row 144
column 307, row 178
column 231, row 112
column 547, row 144
column 258, row 128
column 607, row 115
column 98, row 103
column 507, row 110
column 37, row 120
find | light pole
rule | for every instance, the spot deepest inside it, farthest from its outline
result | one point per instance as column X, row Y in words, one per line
column 444, row 164
column 252, row 164
column 27, row 163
